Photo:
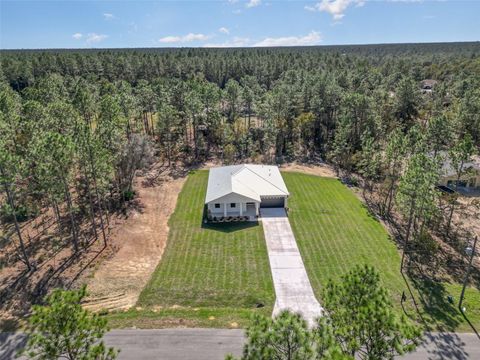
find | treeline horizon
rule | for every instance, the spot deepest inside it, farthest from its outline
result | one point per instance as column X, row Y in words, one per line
column 352, row 47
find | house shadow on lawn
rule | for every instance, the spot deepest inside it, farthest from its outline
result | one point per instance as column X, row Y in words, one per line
column 226, row 227
column 229, row 227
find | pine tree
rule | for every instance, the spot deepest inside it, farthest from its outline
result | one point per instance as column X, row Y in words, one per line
column 459, row 155
column 417, row 195
column 63, row 329
column 361, row 314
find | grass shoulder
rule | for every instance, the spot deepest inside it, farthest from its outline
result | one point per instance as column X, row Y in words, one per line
column 203, row 317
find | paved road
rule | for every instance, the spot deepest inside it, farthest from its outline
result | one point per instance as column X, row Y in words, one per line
column 447, row 346
column 211, row 344
column 292, row 287
column 158, row 344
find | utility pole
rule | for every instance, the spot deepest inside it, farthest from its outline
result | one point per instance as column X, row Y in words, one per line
column 472, row 255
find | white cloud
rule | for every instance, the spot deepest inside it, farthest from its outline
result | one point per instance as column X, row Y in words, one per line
column 224, row 30
column 253, row 3
column 186, row 38
column 170, row 39
column 235, row 42
column 335, row 7
column 95, row 38
column 108, row 16
column 313, row 38
column 195, row 37
column 77, row 36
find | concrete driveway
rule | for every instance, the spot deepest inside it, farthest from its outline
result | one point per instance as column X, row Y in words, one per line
column 292, row 287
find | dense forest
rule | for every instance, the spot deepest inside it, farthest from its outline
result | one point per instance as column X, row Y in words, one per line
column 76, row 125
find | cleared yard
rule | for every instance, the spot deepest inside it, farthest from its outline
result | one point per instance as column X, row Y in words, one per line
column 217, row 276
column 334, row 231
column 209, row 266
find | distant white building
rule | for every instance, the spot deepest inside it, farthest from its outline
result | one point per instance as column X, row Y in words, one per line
column 469, row 181
column 428, row 85
column 240, row 190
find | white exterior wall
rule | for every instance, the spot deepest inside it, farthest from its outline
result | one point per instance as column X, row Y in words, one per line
column 227, row 200
column 468, row 178
column 211, row 207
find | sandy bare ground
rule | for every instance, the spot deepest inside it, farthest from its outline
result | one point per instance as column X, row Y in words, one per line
column 323, row 170
column 468, row 214
column 320, row 169
column 142, row 237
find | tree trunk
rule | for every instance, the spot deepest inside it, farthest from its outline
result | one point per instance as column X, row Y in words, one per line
column 57, row 215
column 97, row 193
column 73, row 224
column 11, row 202
column 452, row 208
column 407, row 235
column 450, row 216
column 390, row 197
column 90, row 201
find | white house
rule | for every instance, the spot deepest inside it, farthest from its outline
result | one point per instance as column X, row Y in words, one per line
column 468, row 182
column 240, row 190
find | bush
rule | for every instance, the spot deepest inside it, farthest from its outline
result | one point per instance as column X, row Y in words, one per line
column 22, row 212
column 128, row 195
column 425, row 248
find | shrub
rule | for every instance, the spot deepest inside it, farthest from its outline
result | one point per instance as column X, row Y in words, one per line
column 128, row 195
column 22, row 212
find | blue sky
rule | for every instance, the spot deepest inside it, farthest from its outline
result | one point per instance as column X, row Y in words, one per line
column 121, row 23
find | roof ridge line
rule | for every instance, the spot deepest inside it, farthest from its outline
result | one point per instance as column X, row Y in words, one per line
column 248, row 187
column 243, row 166
column 261, row 177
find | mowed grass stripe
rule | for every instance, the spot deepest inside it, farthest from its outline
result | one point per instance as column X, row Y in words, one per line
column 209, row 266
column 335, row 232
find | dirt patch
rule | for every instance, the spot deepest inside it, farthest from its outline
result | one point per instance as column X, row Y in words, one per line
column 319, row 169
column 449, row 262
column 142, row 237
column 468, row 214
column 323, row 170
column 53, row 261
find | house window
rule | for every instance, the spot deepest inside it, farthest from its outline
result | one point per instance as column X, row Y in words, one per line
column 217, row 206
column 232, row 205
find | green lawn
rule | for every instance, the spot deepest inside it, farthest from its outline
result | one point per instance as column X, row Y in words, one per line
column 216, row 267
column 216, row 276
column 334, row 231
